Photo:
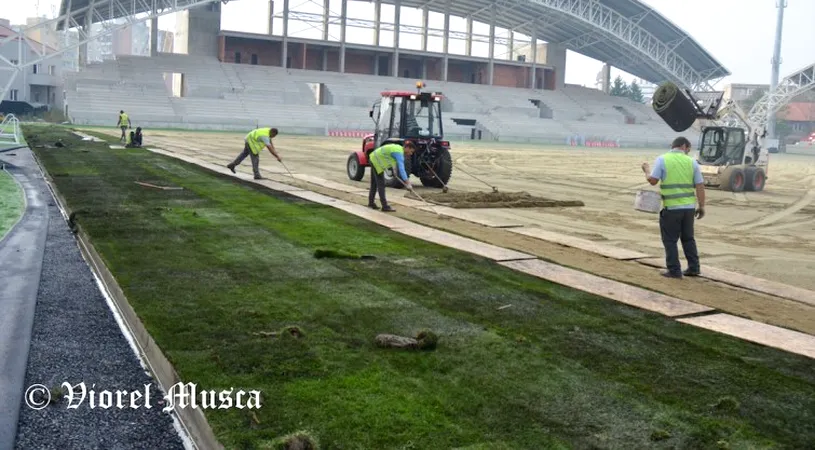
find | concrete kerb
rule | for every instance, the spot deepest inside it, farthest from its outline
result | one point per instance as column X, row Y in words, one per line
column 192, row 420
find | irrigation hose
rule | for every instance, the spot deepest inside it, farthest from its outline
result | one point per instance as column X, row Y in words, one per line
column 664, row 96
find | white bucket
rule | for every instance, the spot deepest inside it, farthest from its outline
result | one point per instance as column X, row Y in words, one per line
column 648, row 201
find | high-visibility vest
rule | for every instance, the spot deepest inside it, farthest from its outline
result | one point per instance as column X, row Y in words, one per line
column 253, row 139
column 677, row 188
column 382, row 158
column 122, row 120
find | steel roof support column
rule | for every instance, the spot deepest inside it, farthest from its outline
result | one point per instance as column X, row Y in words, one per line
column 397, row 7
column 468, row 43
column 154, row 31
column 446, row 42
column 271, row 18
column 343, row 23
column 377, row 21
column 533, row 76
column 511, row 45
column 66, row 23
column 425, row 20
column 284, row 50
column 87, row 27
column 491, row 65
column 326, row 17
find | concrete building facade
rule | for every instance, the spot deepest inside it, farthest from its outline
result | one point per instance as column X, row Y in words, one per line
column 39, row 85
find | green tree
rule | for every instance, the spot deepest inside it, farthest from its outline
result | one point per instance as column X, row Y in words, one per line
column 619, row 88
column 635, row 93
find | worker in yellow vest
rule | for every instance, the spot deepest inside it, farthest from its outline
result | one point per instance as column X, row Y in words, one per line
column 388, row 156
column 683, row 188
column 124, row 124
column 254, row 142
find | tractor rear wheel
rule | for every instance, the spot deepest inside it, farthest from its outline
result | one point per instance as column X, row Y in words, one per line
column 356, row 171
column 736, row 181
column 754, row 179
column 443, row 166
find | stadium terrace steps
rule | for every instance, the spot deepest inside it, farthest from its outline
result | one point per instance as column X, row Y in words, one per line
column 236, row 96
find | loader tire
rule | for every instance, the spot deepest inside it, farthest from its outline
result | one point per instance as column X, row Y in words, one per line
column 444, row 169
column 754, row 179
column 736, row 181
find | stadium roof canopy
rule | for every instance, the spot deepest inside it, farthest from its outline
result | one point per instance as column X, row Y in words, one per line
column 627, row 34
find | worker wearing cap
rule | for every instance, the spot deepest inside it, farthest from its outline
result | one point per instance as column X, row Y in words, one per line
column 388, row 156
column 254, row 142
column 124, row 124
column 682, row 185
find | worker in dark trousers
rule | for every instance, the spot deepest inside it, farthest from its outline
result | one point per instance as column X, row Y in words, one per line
column 683, row 198
column 254, row 142
column 388, row 156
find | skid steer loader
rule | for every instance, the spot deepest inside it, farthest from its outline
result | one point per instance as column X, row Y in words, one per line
column 733, row 153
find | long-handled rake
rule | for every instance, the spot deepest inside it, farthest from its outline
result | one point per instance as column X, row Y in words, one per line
column 432, row 207
column 494, row 189
column 444, row 186
column 287, row 169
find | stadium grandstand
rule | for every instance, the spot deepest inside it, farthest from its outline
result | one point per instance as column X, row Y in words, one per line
column 220, row 79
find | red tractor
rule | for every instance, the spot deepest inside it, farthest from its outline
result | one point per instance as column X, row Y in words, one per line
column 408, row 116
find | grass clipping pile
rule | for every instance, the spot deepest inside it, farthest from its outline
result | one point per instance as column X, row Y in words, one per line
column 492, row 200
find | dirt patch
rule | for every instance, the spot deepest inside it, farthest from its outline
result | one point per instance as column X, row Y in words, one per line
column 493, row 200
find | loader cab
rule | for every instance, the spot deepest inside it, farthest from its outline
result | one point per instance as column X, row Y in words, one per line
column 406, row 115
column 723, row 146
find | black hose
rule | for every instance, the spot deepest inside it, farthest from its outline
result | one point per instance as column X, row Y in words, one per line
column 664, row 96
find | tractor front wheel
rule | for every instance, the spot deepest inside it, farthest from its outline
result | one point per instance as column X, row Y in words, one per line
column 356, row 171
column 443, row 166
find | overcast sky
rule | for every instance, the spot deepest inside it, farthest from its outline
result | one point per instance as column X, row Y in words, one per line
column 738, row 33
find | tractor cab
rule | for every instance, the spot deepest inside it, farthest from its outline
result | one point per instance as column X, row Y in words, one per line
column 406, row 115
column 401, row 116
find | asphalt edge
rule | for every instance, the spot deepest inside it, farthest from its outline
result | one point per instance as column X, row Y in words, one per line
column 192, row 422
column 22, row 303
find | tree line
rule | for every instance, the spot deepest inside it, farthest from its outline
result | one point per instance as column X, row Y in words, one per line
column 622, row 89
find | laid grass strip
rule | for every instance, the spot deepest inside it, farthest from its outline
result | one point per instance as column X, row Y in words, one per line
column 217, row 269
column 12, row 202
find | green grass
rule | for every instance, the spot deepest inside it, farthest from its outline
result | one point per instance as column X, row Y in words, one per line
column 12, row 202
column 209, row 267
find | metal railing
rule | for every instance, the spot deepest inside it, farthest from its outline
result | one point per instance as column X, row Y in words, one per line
column 10, row 133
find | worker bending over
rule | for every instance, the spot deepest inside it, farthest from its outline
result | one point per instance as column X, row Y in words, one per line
column 135, row 140
column 388, row 156
column 253, row 144
column 124, row 124
column 682, row 185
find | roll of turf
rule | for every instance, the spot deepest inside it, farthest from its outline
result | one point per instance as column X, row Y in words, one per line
column 674, row 107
